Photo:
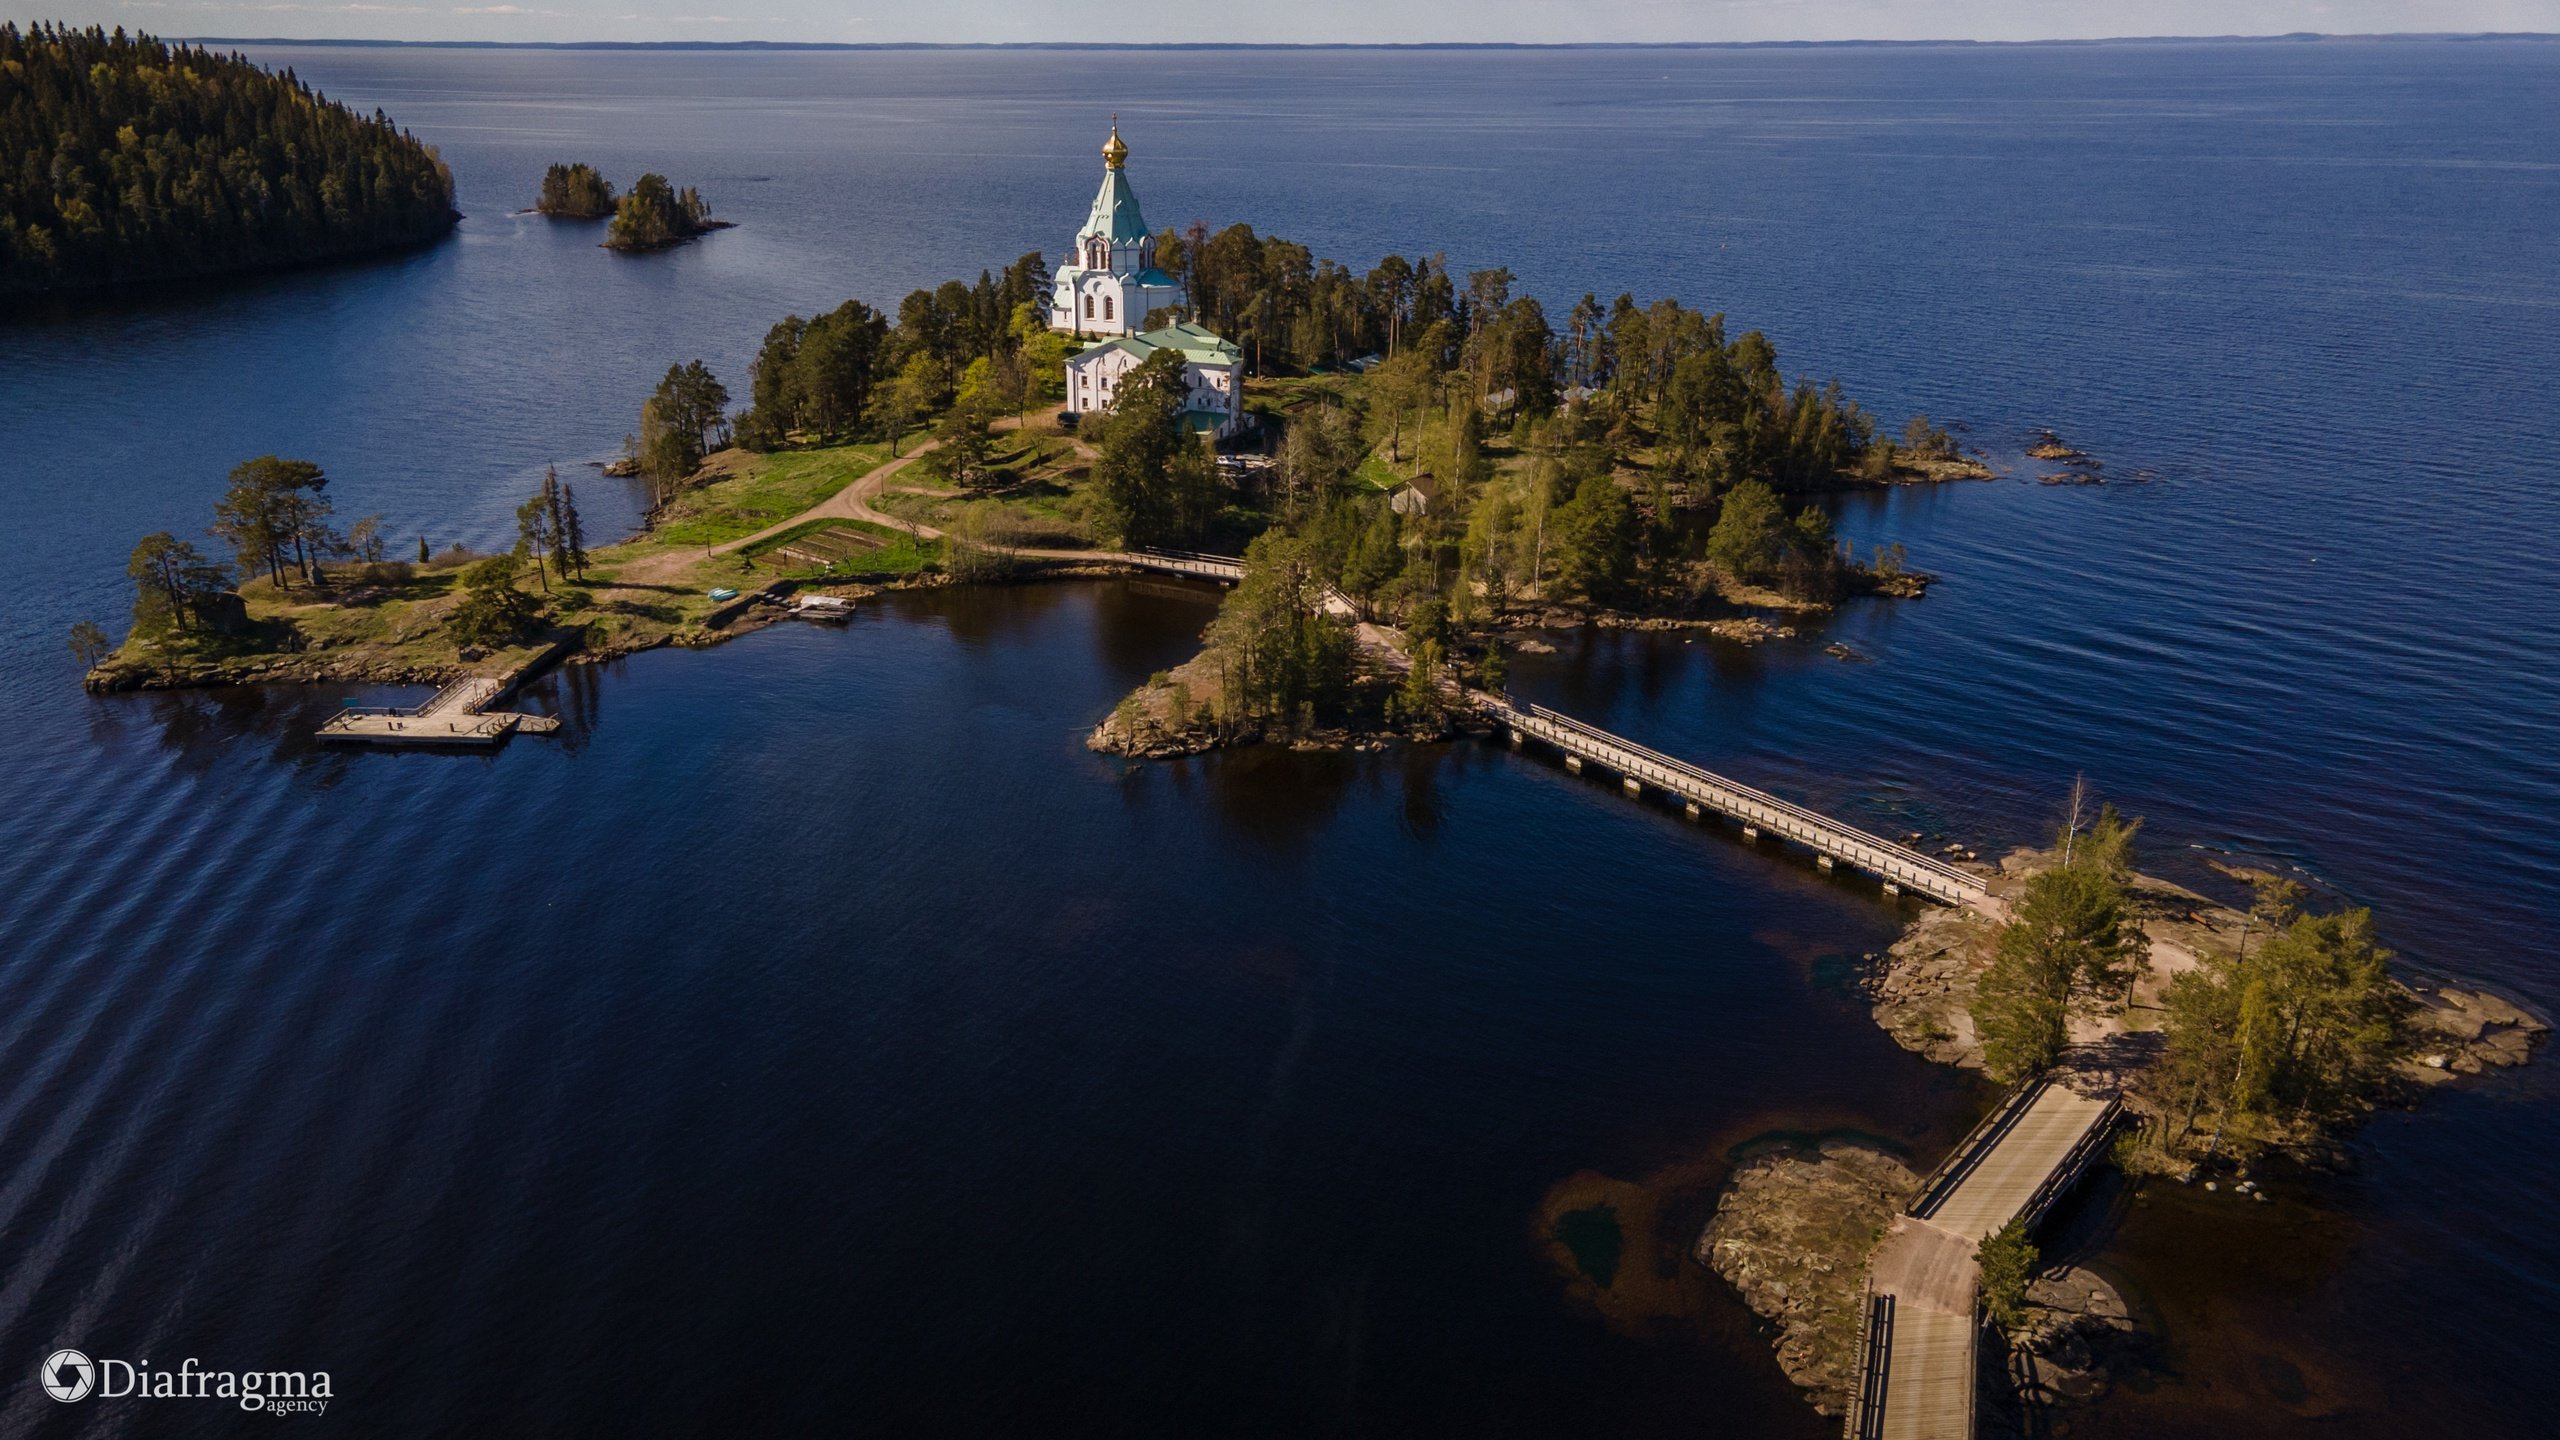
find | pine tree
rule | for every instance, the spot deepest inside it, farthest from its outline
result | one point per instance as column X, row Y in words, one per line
column 2073, row 934
column 171, row 580
column 2007, row 1261
column 572, row 534
column 533, row 537
column 555, row 520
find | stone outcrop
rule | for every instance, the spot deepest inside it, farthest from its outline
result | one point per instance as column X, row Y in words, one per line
column 2467, row 1032
column 1792, row 1232
column 2077, row 1330
column 1922, row 990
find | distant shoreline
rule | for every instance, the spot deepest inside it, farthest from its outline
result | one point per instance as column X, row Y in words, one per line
column 2295, row 38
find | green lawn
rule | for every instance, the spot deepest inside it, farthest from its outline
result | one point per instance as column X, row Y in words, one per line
column 1375, row 473
column 767, row 488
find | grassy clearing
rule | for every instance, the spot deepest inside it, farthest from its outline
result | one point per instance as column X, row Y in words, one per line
column 750, row 492
column 1043, row 514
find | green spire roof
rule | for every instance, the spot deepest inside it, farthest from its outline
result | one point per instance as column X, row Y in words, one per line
column 1115, row 212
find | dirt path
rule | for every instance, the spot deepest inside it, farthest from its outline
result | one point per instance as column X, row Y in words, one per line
column 854, row 502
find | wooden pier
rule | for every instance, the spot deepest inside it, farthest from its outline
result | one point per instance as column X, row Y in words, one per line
column 457, row 716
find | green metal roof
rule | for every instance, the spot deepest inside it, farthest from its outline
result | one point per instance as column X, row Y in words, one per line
column 1204, row 346
column 1115, row 212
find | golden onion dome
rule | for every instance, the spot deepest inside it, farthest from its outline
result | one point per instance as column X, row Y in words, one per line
column 1113, row 150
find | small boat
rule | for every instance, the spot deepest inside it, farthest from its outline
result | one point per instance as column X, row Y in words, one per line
column 724, row 593
column 822, row 607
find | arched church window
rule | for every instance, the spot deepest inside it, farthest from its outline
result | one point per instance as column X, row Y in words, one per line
column 1088, row 307
column 1106, row 307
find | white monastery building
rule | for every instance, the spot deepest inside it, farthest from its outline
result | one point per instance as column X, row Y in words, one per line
column 1107, row 288
column 1110, row 280
column 1212, row 372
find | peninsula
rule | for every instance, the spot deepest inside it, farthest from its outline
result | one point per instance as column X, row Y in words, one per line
column 130, row 159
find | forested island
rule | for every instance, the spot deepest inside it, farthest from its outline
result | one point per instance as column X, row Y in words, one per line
column 655, row 215
column 574, row 192
column 124, row 158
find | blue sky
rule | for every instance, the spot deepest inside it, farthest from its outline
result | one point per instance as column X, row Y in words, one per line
column 1300, row 21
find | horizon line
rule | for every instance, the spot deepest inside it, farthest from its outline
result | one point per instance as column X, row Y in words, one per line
column 2286, row 37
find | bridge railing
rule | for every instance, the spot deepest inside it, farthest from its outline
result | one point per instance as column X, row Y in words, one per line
column 1894, row 862
column 1978, row 1142
column 1190, row 562
column 2072, row 1164
column 1865, row 1420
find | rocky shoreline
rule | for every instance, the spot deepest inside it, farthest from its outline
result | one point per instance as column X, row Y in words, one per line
column 1794, row 1229
column 354, row 665
column 1920, row 990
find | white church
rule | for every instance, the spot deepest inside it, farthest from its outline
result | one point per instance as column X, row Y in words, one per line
column 1107, row 288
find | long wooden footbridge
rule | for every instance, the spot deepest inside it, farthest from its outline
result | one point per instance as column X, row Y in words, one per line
column 1225, row 569
column 1831, row 841
column 1637, row 766
column 1921, row 1324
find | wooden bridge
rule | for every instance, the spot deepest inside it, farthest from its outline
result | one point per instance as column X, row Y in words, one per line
column 1832, row 842
column 1225, row 569
column 1921, row 1326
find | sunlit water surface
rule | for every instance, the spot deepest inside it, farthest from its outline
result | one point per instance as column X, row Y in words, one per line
column 816, row 1037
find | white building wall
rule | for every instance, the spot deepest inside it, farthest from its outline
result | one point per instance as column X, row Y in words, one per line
column 1094, row 378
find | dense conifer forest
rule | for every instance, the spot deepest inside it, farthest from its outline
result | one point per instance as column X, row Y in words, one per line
column 655, row 215
column 575, row 192
column 126, row 158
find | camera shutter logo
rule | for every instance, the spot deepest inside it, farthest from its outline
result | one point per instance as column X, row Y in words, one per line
column 68, row 1375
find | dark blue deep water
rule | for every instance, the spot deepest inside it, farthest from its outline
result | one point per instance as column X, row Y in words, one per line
column 816, row 1039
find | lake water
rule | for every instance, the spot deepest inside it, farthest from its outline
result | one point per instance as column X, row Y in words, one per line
column 816, row 1037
